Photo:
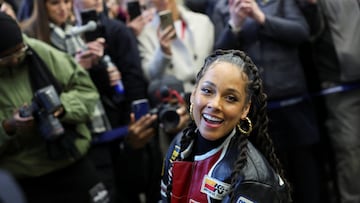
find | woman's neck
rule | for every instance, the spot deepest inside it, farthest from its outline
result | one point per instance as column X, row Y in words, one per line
column 203, row 145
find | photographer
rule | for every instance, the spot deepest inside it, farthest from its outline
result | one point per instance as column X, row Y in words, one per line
column 55, row 170
column 168, row 100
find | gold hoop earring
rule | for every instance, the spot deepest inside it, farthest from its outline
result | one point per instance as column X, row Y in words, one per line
column 249, row 128
column 191, row 111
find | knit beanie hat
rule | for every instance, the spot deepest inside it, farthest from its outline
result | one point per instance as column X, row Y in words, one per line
column 10, row 33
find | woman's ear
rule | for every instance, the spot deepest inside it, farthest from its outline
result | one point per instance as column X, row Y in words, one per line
column 192, row 97
column 246, row 110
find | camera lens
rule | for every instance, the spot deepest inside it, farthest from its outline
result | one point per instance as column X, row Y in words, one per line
column 169, row 118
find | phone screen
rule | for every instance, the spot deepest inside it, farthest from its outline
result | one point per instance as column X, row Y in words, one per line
column 140, row 108
column 133, row 8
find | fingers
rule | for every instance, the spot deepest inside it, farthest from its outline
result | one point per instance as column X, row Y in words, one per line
column 140, row 132
column 96, row 47
column 168, row 33
column 165, row 37
column 114, row 75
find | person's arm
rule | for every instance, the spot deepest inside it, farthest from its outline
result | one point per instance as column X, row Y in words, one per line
column 79, row 94
column 314, row 16
column 289, row 27
column 253, row 191
column 154, row 60
column 124, row 53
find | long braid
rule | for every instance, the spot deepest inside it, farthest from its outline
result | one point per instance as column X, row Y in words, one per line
column 188, row 136
column 241, row 142
column 261, row 136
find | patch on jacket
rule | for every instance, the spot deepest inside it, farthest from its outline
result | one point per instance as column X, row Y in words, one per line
column 243, row 199
column 214, row 188
column 175, row 153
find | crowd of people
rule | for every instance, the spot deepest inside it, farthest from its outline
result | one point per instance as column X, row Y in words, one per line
column 262, row 96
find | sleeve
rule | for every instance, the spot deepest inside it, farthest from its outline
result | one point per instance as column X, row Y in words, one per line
column 253, row 192
column 154, row 61
column 79, row 95
column 259, row 192
column 125, row 54
column 289, row 27
column 314, row 17
column 228, row 40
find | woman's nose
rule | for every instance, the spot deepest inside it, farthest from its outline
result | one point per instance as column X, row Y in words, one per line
column 214, row 103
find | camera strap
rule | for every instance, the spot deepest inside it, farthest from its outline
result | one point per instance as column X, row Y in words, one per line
column 39, row 74
column 40, row 77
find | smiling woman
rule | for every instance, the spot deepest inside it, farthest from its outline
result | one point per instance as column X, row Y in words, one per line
column 213, row 159
column 59, row 11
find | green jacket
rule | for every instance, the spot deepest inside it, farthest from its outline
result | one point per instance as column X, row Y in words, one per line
column 24, row 154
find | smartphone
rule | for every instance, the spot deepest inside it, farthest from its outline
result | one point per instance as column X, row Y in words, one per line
column 166, row 20
column 91, row 15
column 140, row 108
column 133, row 8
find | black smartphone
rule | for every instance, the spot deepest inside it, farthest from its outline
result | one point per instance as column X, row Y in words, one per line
column 88, row 15
column 133, row 8
column 140, row 108
column 166, row 19
column 91, row 15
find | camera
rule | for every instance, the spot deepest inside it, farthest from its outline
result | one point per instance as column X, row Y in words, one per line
column 167, row 116
column 45, row 102
column 168, row 102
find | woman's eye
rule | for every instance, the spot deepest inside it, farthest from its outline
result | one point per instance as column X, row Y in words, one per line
column 231, row 98
column 205, row 90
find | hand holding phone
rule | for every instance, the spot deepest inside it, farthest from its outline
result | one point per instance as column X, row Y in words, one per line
column 140, row 108
column 166, row 20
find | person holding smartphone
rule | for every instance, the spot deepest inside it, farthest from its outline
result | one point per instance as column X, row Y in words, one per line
column 177, row 48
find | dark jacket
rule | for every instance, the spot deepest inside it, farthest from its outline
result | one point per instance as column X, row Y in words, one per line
column 207, row 178
column 121, row 46
column 335, row 42
column 273, row 46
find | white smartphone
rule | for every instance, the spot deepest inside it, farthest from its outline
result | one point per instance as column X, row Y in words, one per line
column 140, row 108
column 166, row 19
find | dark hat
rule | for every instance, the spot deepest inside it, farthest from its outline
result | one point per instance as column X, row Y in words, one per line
column 10, row 34
column 164, row 87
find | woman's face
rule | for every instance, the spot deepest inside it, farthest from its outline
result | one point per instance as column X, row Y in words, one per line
column 59, row 11
column 219, row 100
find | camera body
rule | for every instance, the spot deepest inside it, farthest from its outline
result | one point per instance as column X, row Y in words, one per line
column 167, row 115
column 166, row 97
column 45, row 102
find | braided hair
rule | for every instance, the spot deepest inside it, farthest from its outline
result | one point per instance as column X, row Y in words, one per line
column 257, row 114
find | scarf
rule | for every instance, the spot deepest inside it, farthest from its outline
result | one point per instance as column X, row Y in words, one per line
column 62, row 39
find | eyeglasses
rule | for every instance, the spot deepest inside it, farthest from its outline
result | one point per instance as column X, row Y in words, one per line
column 19, row 55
